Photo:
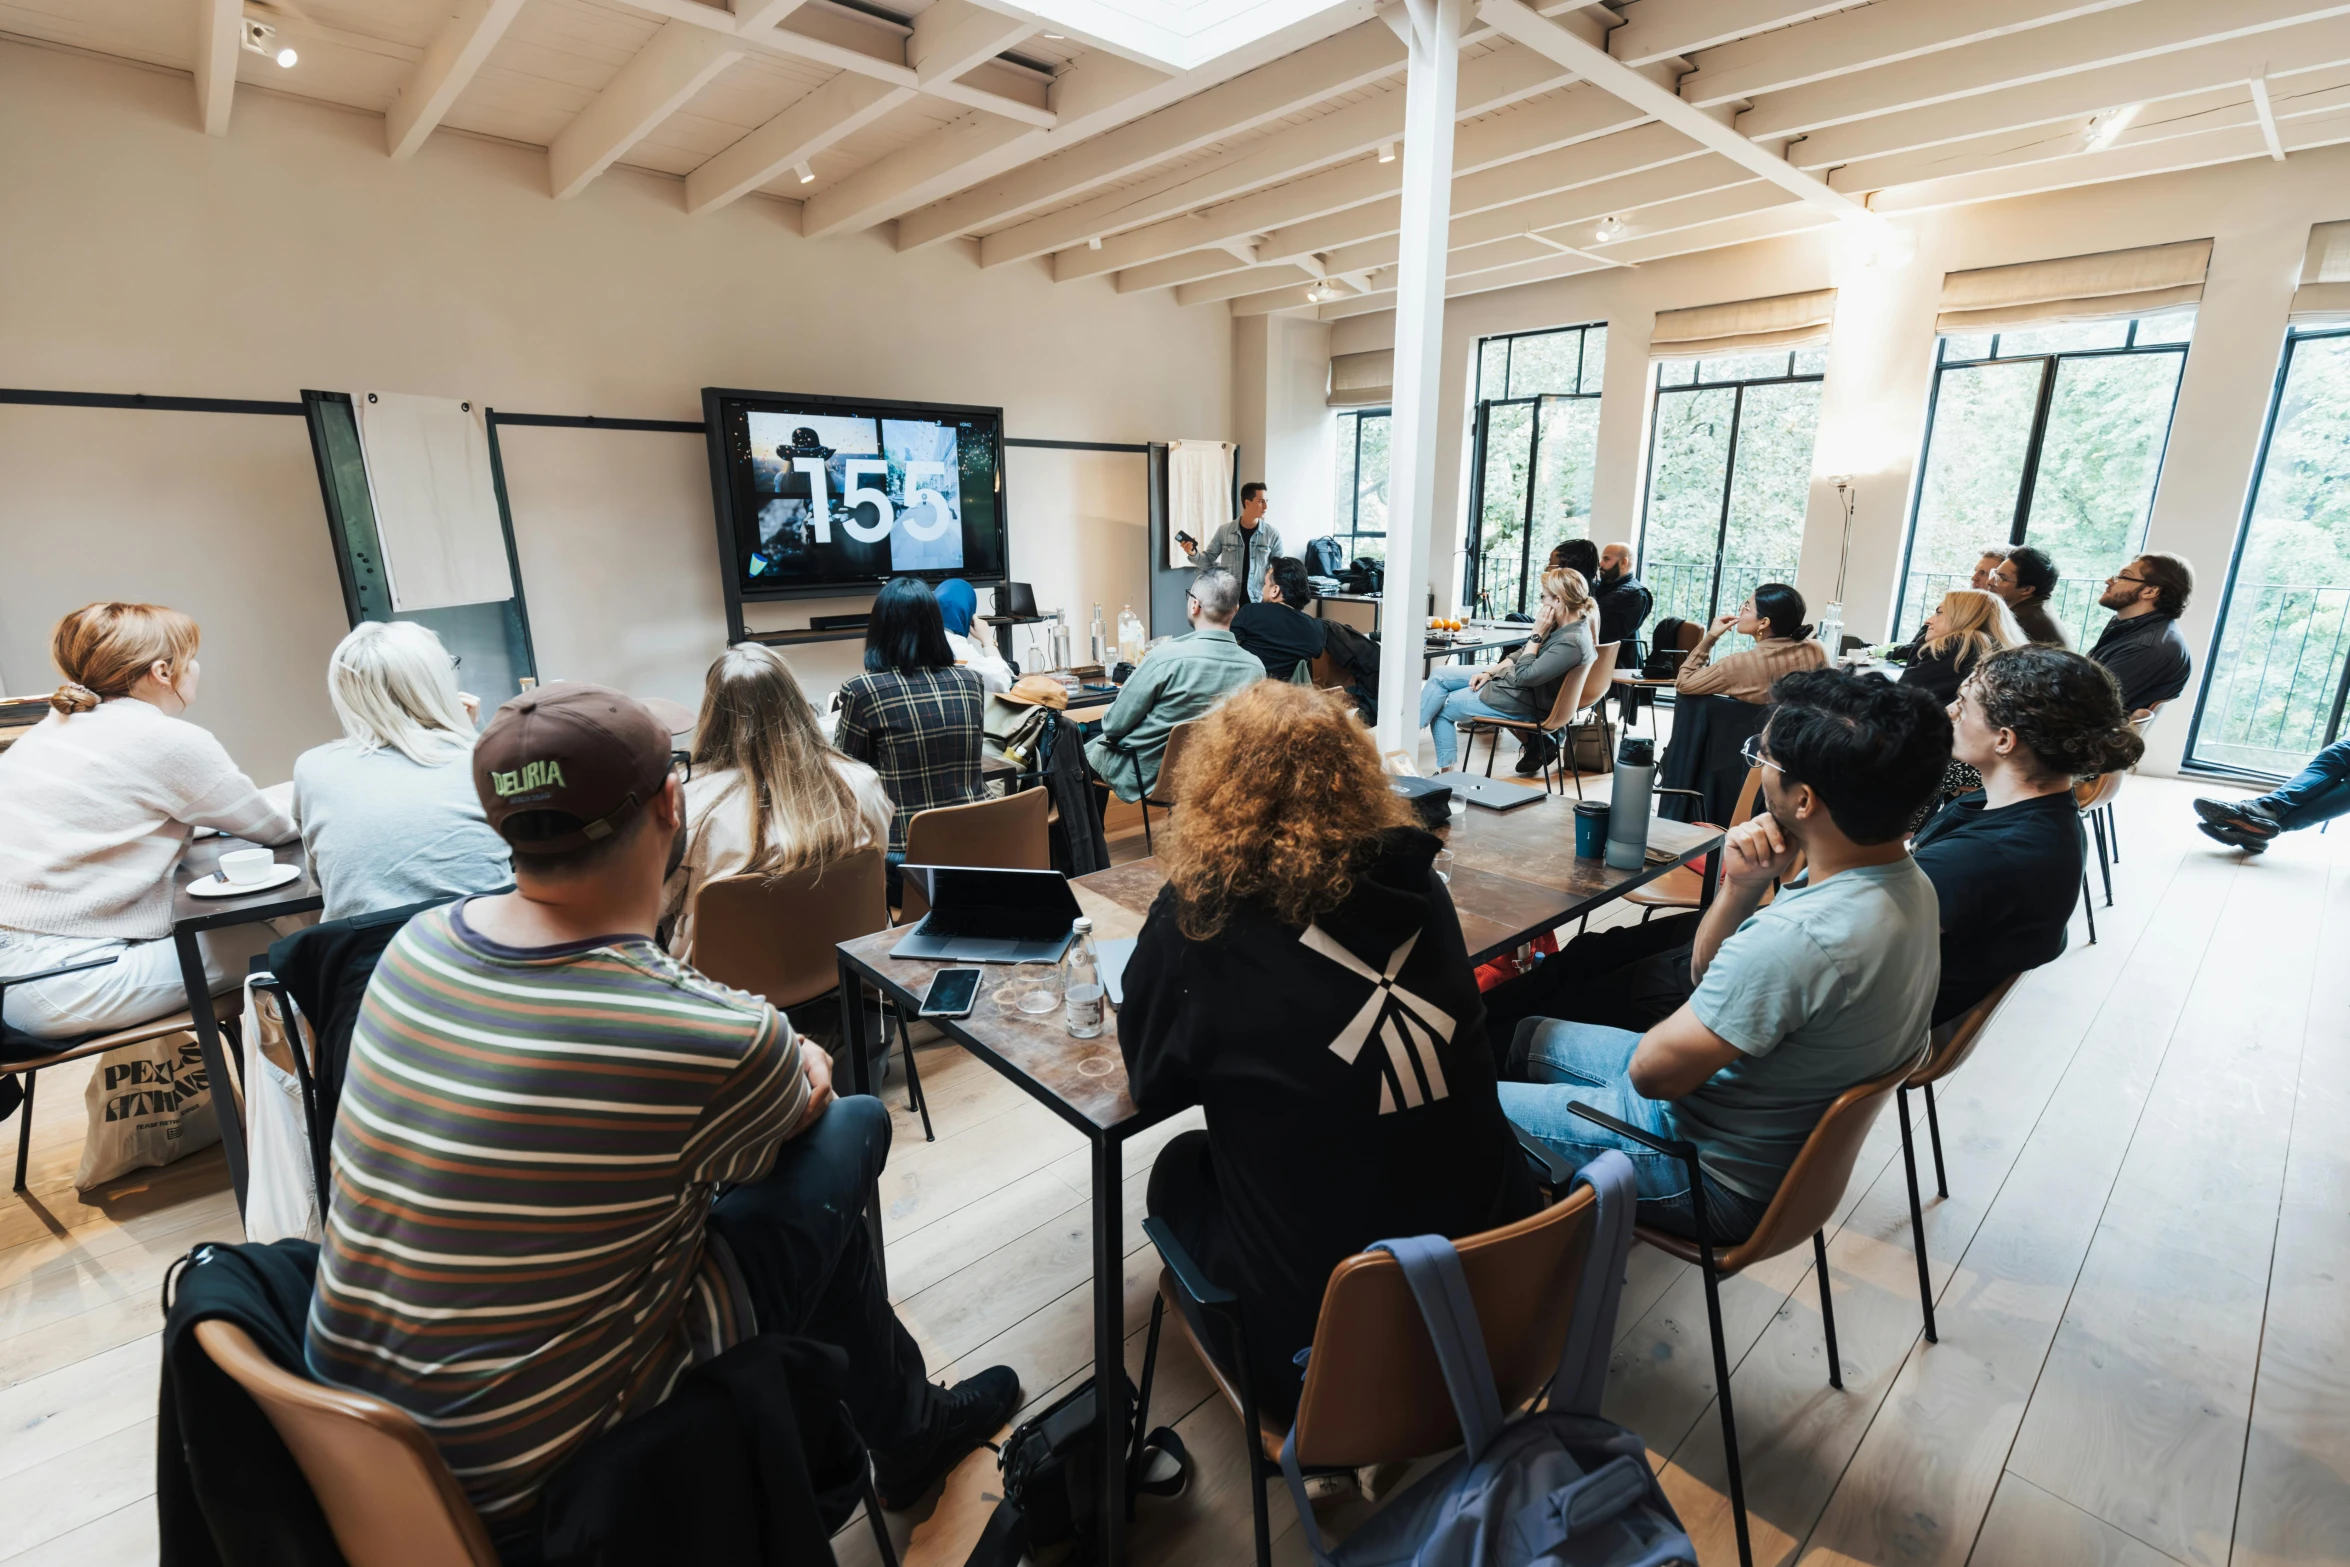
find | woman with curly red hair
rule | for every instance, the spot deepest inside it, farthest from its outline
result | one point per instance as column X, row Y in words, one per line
column 1302, row 976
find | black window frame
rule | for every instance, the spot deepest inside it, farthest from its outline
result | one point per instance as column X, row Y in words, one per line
column 2294, row 338
column 1473, row 536
column 1350, row 422
column 2050, row 365
column 1738, row 386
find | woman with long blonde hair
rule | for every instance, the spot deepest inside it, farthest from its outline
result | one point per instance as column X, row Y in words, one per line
column 96, row 804
column 1526, row 683
column 1298, row 890
column 768, row 792
column 1968, row 626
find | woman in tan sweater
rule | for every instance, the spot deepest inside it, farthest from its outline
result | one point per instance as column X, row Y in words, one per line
column 1782, row 645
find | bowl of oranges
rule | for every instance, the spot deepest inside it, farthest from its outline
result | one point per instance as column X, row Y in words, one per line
column 1443, row 628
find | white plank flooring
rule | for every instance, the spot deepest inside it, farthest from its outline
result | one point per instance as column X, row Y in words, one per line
column 2140, row 1274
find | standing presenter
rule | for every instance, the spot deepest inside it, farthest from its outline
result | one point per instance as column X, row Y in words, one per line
column 1245, row 547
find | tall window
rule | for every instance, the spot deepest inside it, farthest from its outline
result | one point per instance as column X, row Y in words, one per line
column 1537, row 437
column 1729, row 475
column 2273, row 692
column 1360, row 523
column 2049, row 435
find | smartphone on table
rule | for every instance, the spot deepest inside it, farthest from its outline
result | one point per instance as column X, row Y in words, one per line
column 953, row 991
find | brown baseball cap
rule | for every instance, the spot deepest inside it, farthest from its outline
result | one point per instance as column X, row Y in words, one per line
column 586, row 751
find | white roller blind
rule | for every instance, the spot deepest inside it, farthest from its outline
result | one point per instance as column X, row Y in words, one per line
column 2325, row 273
column 436, row 504
column 1744, row 326
column 1362, row 380
column 2077, row 288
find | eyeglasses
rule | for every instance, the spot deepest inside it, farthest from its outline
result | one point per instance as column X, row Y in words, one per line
column 1752, row 753
column 682, row 763
column 2123, row 576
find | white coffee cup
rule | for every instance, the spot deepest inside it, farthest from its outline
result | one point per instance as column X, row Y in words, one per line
column 247, row 866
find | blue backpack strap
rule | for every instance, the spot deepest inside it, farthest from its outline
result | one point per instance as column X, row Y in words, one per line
column 1433, row 1269
column 1581, row 1377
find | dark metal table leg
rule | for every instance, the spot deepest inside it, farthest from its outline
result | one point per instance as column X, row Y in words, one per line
column 852, row 1033
column 216, row 1067
column 1109, row 1345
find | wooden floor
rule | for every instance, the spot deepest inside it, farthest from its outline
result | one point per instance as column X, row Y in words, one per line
column 2143, row 1276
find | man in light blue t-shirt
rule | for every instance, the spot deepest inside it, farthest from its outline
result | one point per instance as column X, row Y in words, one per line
column 1829, row 986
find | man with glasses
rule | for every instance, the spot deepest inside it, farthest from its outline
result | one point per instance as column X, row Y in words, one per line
column 2141, row 647
column 1830, row 985
column 1177, row 680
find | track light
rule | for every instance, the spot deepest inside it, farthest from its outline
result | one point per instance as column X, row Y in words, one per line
column 1321, row 294
column 260, row 38
column 806, row 174
column 2105, row 129
column 1094, row 243
column 1387, row 152
column 1610, row 227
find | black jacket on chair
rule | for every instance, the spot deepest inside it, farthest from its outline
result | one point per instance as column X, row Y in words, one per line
column 326, row 968
column 1708, row 732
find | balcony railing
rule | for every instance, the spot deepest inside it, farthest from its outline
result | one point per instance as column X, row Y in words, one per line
column 2271, row 700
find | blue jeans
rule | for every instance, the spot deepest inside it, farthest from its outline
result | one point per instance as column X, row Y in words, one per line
column 1444, row 701
column 1584, row 1061
column 2318, row 793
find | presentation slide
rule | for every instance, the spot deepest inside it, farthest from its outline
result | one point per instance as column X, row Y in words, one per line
column 840, row 496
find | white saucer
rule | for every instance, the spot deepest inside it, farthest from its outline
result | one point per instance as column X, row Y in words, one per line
column 213, row 886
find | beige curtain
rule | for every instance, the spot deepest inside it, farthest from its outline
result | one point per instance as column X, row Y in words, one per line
column 1745, row 326
column 2077, row 288
column 1362, row 380
column 2325, row 273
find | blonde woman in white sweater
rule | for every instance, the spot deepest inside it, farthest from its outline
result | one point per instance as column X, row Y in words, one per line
column 96, row 804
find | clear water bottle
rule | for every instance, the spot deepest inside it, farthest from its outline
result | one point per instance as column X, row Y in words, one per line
column 1081, row 984
column 1131, row 636
column 1101, row 639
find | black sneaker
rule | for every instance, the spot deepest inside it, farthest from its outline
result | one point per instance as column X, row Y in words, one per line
column 961, row 1418
column 2245, row 816
column 2233, row 836
column 1539, row 754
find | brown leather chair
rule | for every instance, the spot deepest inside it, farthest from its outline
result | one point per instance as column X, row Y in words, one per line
column 1326, row 674
column 1013, row 833
column 773, row 936
column 2093, row 797
column 1373, row 1392
column 1946, row 1052
column 1806, row 1200
column 1574, row 696
column 384, row 1488
column 1162, row 790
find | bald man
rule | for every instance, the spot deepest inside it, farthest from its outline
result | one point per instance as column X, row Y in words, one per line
column 1624, row 600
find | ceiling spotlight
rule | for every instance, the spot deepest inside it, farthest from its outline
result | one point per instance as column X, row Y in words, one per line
column 806, row 174
column 1094, row 243
column 1610, row 227
column 1321, row 294
column 1056, row 37
column 260, row 38
column 1387, row 152
column 2104, row 129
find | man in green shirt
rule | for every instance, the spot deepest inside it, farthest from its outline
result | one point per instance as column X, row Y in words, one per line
column 1176, row 681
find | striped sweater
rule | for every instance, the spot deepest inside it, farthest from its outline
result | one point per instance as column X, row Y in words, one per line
column 516, row 1246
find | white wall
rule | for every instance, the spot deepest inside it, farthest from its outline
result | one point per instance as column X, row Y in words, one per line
column 1281, row 418
column 142, row 256
column 1880, row 363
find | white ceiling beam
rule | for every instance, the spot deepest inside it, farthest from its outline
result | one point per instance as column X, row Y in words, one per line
column 955, row 36
column 1489, row 82
column 219, row 34
column 2258, row 87
column 912, row 176
column 1355, row 58
column 2313, row 46
column 846, row 104
column 2086, row 43
column 457, row 51
column 1574, row 47
column 1864, row 39
column 1189, row 267
column 1660, row 29
column 677, row 63
column 1363, row 192
column 1254, row 281
column 1664, row 214
column 753, row 15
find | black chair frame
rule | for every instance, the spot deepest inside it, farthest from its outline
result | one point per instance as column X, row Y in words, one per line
column 56, row 1047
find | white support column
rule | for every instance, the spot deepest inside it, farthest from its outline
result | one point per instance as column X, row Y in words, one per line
column 1431, row 89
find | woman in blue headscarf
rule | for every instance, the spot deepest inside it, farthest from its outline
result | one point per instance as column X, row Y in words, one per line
column 958, row 605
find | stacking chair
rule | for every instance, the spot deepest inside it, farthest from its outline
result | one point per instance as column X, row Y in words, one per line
column 773, row 936
column 1374, row 1393
column 1162, row 791
column 1576, row 694
column 1806, row 1200
column 1946, row 1052
column 23, row 1055
column 1013, row 833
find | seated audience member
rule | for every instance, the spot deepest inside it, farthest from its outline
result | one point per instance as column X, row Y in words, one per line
column 2005, row 864
column 2318, row 793
column 96, row 803
column 915, row 716
column 1783, row 645
column 1987, row 566
column 958, row 607
column 1830, row 985
column 1279, row 631
column 494, row 1122
column 2141, row 645
column 1176, row 681
column 2026, row 581
column 768, row 793
column 1297, row 889
column 1965, row 628
column 388, row 812
column 1576, row 555
column 1624, row 600
column 1523, row 685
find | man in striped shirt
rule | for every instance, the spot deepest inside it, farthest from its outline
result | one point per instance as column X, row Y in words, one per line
column 523, row 1248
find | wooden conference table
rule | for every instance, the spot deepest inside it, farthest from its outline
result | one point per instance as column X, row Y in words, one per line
column 1515, row 875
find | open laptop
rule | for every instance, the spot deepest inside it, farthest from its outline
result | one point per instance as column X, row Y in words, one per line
column 990, row 916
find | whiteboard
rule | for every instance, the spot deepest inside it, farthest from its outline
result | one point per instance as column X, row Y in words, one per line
column 436, row 503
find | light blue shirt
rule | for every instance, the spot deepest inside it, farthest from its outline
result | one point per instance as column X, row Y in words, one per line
column 383, row 832
column 1829, row 986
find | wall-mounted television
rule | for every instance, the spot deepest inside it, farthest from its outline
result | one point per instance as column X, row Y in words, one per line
column 834, row 495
